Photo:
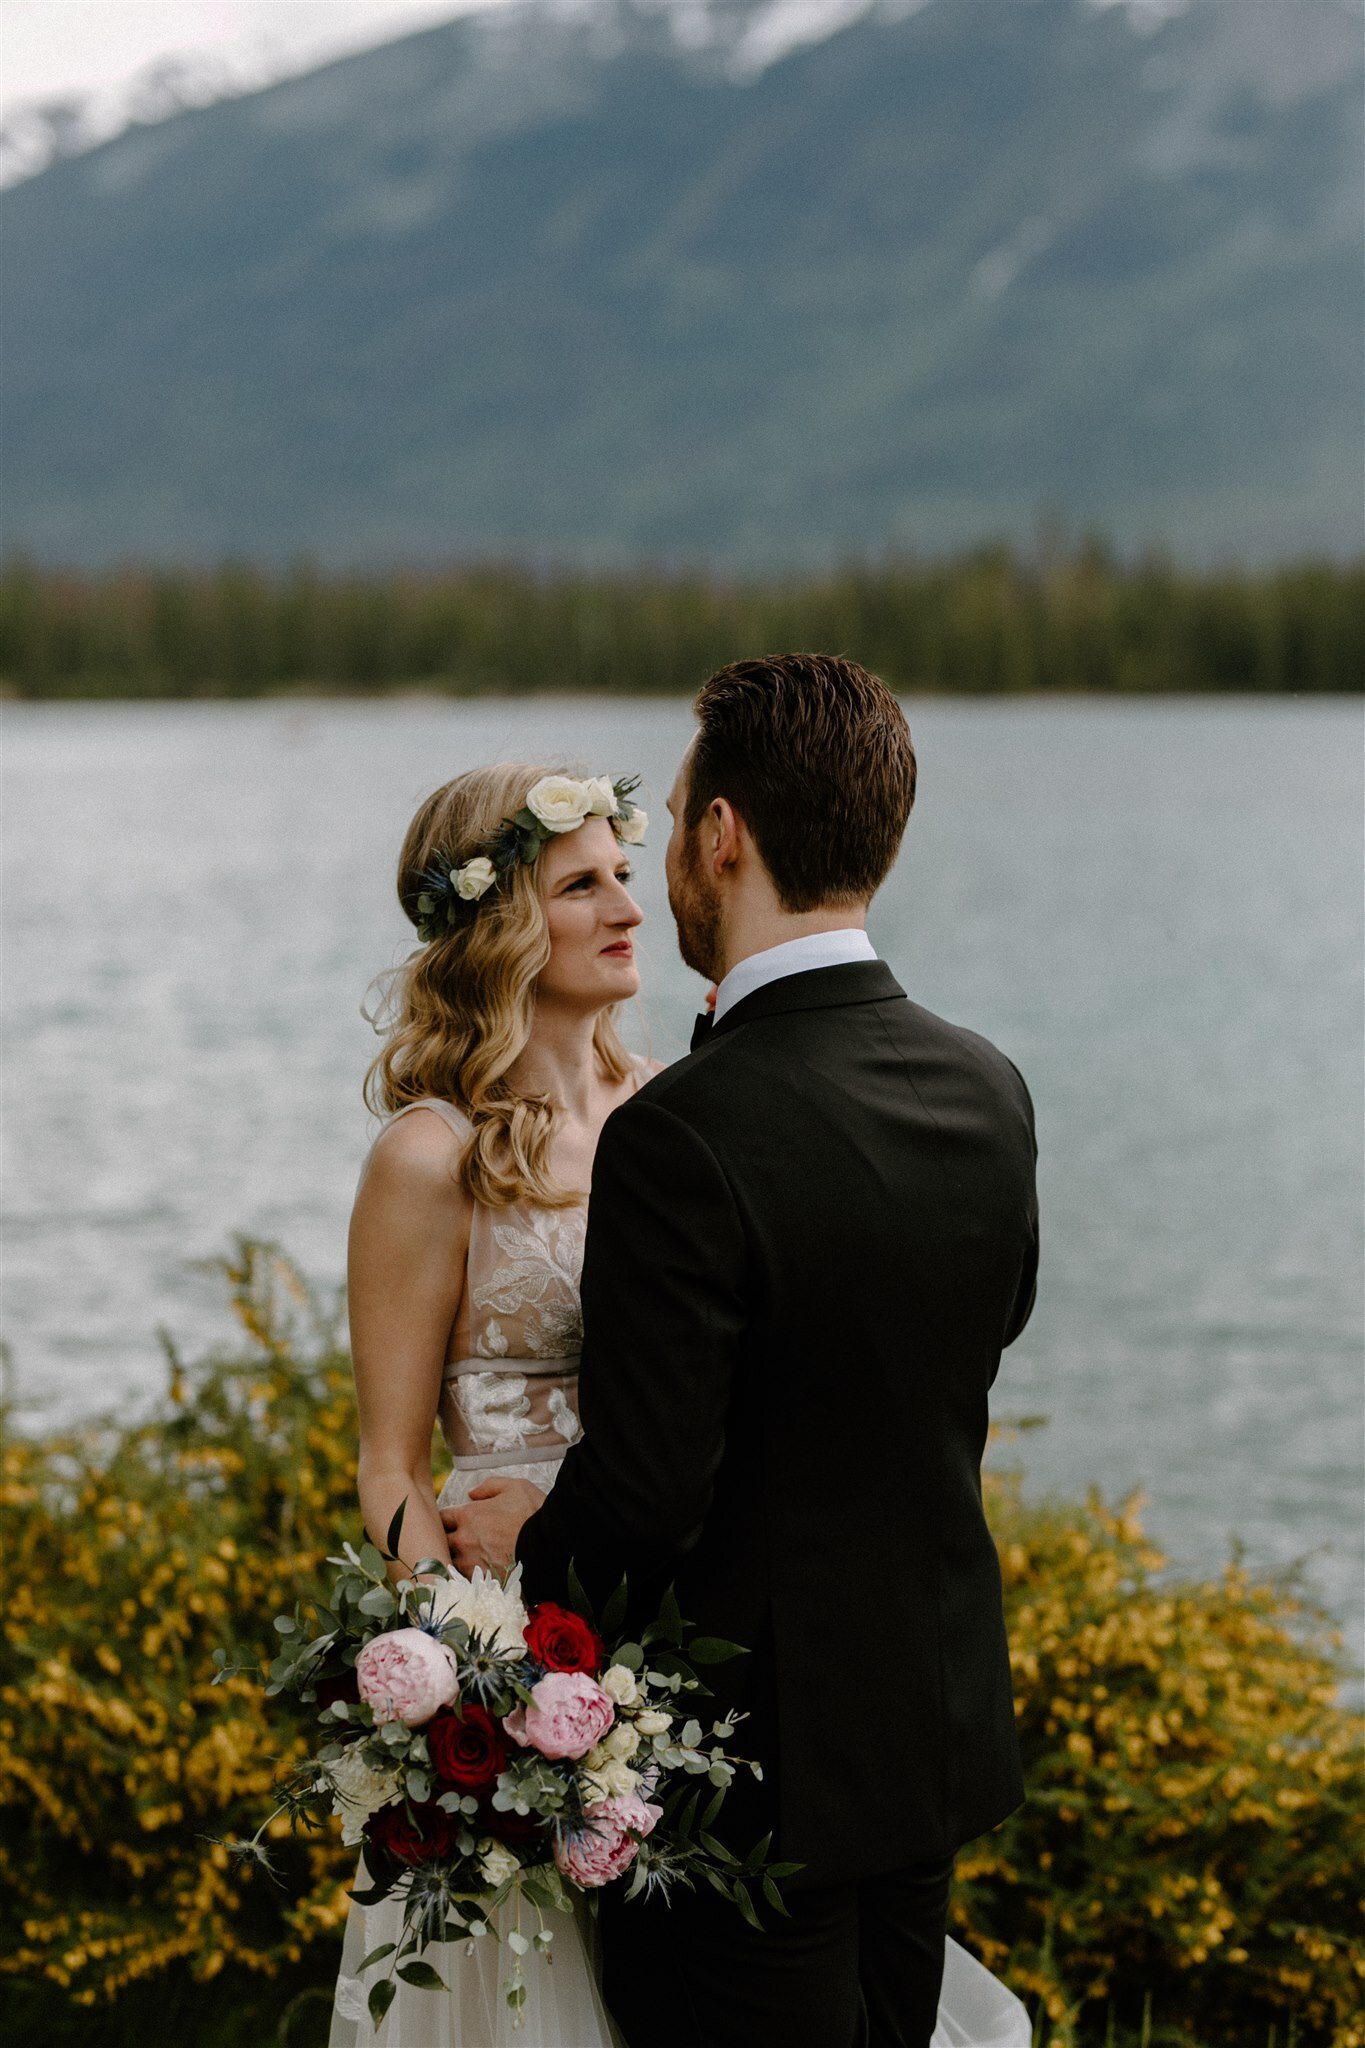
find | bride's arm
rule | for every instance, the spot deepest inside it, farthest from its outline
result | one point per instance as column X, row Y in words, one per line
column 409, row 1243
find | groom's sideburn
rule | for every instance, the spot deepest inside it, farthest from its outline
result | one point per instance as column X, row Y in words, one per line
column 808, row 1244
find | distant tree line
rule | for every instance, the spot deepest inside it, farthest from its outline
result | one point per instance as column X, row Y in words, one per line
column 992, row 622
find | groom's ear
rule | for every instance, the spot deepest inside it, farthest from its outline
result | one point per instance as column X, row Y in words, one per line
column 724, row 835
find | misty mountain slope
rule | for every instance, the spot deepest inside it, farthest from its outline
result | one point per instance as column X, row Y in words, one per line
column 556, row 281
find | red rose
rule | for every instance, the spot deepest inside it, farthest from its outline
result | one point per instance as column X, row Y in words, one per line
column 563, row 1641
column 467, row 1748
column 516, row 1829
column 430, row 1833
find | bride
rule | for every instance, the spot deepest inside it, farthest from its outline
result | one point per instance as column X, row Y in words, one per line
column 501, row 1064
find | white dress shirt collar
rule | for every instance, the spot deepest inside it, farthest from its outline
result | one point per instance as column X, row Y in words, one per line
column 794, row 956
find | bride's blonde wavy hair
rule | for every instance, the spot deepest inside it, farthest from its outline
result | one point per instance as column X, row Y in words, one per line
column 457, row 1013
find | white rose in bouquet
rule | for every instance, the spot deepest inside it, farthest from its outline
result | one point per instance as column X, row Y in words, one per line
column 497, row 1862
column 620, row 1684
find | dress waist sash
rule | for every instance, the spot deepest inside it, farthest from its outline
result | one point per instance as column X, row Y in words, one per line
column 509, row 1411
column 528, row 1368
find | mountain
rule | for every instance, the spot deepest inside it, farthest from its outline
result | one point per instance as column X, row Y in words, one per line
column 739, row 283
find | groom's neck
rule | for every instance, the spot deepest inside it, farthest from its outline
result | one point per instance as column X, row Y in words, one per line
column 758, row 927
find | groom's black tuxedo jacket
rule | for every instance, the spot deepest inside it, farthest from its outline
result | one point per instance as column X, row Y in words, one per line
column 807, row 1244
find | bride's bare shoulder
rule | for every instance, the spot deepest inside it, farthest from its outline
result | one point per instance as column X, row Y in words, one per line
column 419, row 1153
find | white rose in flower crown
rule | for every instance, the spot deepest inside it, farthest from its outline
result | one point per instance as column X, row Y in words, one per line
column 560, row 802
column 358, row 1790
column 603, row 804
column 631, row 831
column 497, row 1862
column 474, row 878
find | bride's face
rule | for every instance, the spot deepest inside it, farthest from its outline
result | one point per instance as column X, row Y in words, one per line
column 591, row 915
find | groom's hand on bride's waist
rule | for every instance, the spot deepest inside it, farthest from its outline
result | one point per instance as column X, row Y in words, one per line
column 485, row 1530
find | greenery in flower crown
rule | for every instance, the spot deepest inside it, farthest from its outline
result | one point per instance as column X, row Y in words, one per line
column 451, row 889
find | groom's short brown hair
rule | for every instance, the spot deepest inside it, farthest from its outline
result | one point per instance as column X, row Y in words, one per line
column 815, row 755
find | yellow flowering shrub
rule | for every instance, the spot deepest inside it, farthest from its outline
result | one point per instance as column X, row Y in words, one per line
column 1189, row 1838
column 129, row 1555
column 1192, row 1839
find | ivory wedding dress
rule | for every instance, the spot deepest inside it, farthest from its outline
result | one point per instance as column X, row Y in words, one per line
column 509, row 1404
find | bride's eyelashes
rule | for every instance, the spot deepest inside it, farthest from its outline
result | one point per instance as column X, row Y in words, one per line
column 625, row 876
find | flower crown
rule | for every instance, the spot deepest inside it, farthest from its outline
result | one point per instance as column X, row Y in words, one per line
column 557, row 803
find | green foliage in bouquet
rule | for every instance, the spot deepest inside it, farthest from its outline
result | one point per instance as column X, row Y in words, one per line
column 1191, row 1846
column 486, row 1756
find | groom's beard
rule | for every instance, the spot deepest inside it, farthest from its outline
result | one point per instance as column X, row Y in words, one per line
column 696, row 912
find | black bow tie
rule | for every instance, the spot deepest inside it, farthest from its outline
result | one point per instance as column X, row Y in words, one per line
column 701, row 1030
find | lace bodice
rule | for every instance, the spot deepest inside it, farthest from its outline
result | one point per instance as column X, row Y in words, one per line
column 509, row 1389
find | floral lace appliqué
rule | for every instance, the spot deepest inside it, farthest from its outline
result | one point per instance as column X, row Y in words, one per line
column 562, row 1418
column 536, row 1280
column 496, row 1409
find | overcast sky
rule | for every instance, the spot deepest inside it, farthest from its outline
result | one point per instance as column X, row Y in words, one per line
column 55, row 47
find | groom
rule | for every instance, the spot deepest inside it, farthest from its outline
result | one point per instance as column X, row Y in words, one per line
column 808, row 1243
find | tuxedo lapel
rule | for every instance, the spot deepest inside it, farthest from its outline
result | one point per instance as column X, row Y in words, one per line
column 701, row 1030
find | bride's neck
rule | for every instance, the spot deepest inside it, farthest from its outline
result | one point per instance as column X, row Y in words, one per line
column 559, row 1061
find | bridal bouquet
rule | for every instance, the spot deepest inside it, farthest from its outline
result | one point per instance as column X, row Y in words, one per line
column 482, row 1754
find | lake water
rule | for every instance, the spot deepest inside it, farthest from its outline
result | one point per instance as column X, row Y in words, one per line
column 1154, row 908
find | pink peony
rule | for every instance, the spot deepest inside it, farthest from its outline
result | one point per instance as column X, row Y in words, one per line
column 618, row 1826
column 405, row 1676
column 568, row 1715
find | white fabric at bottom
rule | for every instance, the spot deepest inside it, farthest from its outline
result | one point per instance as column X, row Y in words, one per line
column 974, row 2008
column 563, row 2007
